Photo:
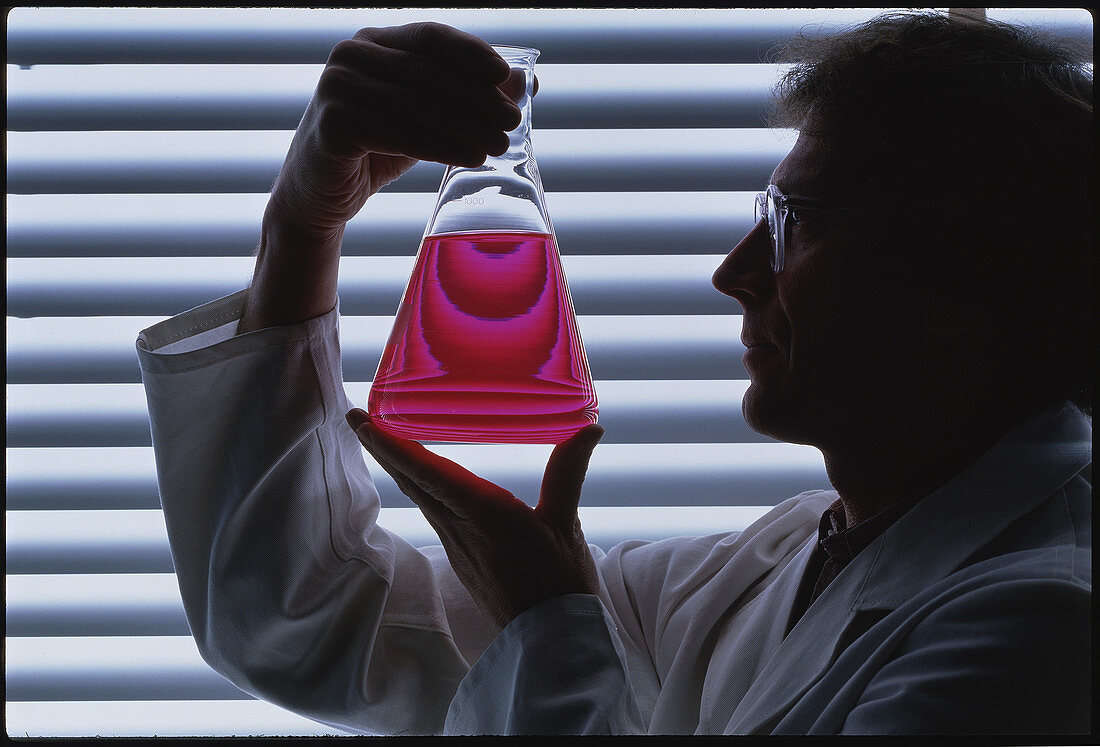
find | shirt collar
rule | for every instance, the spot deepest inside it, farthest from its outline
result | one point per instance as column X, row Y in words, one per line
column 842, row 542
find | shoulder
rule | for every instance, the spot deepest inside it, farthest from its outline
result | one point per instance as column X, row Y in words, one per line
column 1023, row 597
column 1000, row 645
column 1053, row 541
column 1003, row 651
column 1036, row 586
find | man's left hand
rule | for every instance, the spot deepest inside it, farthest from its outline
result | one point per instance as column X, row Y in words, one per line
column 508, row 555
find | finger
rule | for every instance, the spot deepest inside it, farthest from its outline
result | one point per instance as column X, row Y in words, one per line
column 439, row 478
column 515, row 87
column 356, row 416
column 404, row 484
column 443, row 43
column 448, row 86
column 414, row 138
column 414, row 126
column 436, row 513
column 561, row 483
column 363, row 114
column 362, row 425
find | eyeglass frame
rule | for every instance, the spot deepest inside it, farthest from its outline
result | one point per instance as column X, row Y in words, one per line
column 783, row 206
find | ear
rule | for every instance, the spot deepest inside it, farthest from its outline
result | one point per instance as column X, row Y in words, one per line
column 953, row 317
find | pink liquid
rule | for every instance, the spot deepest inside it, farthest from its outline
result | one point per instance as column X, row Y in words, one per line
column 485, row 346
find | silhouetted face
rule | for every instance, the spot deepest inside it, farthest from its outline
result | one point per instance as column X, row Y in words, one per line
column 832, row 339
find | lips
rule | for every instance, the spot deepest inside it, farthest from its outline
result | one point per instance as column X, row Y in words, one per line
column 758, row 351
column 758, row 356
column 752, row 340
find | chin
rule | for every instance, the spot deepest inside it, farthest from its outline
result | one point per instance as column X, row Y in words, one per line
column 775, row 416
column 759, row 411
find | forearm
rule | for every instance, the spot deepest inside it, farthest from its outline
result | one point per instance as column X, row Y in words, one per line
column 295, row 276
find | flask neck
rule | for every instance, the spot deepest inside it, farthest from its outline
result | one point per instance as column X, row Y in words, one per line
column 504, row 193
column 520, row 88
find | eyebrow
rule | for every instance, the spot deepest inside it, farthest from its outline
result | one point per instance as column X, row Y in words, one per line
column 794, row 191
column 788, row 186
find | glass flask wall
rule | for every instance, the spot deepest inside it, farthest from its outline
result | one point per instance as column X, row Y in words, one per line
column 485, row 345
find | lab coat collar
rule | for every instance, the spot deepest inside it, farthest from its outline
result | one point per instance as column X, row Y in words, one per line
column 925, row 545
column 937, row 535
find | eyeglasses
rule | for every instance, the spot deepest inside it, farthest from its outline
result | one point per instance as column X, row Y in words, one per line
column 780, row 211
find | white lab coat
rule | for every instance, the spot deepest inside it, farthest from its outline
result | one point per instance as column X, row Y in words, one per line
column 296, row 595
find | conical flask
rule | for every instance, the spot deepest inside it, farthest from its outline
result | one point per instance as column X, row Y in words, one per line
column 485, row 346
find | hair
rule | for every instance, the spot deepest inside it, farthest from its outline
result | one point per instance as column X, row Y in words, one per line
column 978, row 139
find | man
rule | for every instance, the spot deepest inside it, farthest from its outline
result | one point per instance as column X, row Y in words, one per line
column 944, row 587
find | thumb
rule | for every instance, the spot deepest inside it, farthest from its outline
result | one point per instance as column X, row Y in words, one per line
column 565, row 471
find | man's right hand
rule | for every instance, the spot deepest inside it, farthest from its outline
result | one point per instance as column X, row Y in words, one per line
column 387, row 98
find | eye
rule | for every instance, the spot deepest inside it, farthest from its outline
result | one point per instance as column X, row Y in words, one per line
column 794, row 214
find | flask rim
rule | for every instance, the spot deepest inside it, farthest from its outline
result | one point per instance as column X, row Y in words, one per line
column 512, row 51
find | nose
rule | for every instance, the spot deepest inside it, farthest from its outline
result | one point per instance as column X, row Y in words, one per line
column 746, row 272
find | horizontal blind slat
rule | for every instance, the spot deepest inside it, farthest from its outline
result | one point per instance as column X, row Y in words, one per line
column 249, row 160
column 118, row 479
column 666, row 411
column 111, row 668
column 111, row 604
column 135, row 541
column 203, row 225
column 166, row 718
column 142, row 604
column 79, row 478
column 273, row 97
column 94, row 541
column 369, row 286
column 60, row 350
column 214, row 35
column 298, row 35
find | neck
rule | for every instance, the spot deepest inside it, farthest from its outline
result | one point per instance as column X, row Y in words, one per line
column 912, row 457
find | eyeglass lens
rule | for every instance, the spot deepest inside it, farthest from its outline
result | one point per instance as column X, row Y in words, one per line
column 766, row 207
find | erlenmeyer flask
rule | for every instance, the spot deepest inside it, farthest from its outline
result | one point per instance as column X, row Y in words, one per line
column 485, row 345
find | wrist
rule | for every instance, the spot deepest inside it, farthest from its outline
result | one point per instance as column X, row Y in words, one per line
column 284, row 231
column 296, row 273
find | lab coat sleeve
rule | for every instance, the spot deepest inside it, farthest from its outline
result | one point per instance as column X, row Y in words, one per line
column 1010, row 657
column 557, row 668
column 291, row 589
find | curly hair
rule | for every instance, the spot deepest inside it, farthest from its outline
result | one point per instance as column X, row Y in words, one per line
column 898, row 56
column 978, row 136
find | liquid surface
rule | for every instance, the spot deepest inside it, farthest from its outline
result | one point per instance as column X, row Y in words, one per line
column 485, row 346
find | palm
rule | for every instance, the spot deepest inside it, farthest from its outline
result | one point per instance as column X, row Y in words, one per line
column 330, row 192
column 363, row 178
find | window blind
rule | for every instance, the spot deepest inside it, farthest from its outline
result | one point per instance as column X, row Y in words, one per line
column 141, row 143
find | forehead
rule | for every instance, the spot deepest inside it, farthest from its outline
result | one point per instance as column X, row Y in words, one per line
column 816, row 167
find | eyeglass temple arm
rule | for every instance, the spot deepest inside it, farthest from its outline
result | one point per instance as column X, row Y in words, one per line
column 811, row 203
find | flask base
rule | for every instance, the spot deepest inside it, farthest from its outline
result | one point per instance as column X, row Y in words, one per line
column 495, row 429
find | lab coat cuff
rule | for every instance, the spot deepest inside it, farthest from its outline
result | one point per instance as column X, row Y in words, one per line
column 208, row 334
